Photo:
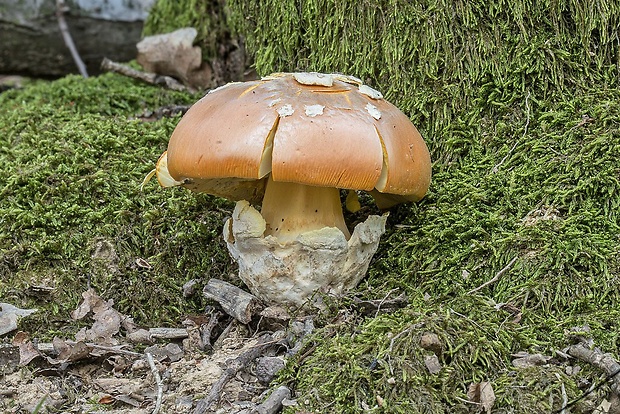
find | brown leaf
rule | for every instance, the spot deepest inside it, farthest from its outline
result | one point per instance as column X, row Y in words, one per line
column 92, row 303
column 482, row 393
column 106, row 399
column 70, row 352
column 107, row 319
column 27, row 351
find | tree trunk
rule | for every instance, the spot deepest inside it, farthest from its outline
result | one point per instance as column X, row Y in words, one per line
column 32, row 44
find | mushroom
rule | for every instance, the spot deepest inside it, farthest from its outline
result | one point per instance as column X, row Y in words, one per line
column 292, row 141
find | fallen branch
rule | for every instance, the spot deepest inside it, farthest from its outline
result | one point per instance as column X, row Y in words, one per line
column 150, row 78
column 602, row 361
column 496, row 277
column 233, row 367
column 61, row 8
column 160, row 385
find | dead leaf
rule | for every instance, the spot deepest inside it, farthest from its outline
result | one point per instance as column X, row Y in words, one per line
column 9, row 315
column 92, row 303
column 27, row 350
column 107, row 319
column 69, row 352
column 106, row 399
column 482, row 393
column 107, row 323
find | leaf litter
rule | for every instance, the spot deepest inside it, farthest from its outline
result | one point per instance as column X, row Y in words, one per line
column 106, row 367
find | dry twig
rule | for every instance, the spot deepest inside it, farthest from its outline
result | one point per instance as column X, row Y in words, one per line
column 61, row 8
column 206, row 330
column 160, row 385
column 168, row 333
column 495, row 278
column 150, row 78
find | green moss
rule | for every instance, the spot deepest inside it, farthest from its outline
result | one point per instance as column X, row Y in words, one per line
column 72, row 157
column 383, row 361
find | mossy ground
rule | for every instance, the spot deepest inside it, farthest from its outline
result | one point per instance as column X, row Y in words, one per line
column 523, row 123
column 73, row 155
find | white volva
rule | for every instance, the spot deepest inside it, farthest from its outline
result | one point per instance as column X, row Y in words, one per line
column 317, row 261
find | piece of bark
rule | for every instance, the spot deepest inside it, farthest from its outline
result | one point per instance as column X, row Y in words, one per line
column 206, row 330
column 273, row 403
column 236, row 302
column 168, row 333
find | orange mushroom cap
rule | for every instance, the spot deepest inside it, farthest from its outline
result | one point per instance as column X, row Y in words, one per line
column 308, row 128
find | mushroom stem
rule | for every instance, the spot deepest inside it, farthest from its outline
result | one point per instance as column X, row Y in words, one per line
column 290, row 209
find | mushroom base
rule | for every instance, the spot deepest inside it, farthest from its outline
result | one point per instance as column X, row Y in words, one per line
column 291, row 273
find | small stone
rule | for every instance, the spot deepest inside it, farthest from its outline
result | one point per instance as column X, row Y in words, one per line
column 267, row 368
column 431, row 342
column 432, row 364
column 172, row 352
column 189, row 288
column 140, row 336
